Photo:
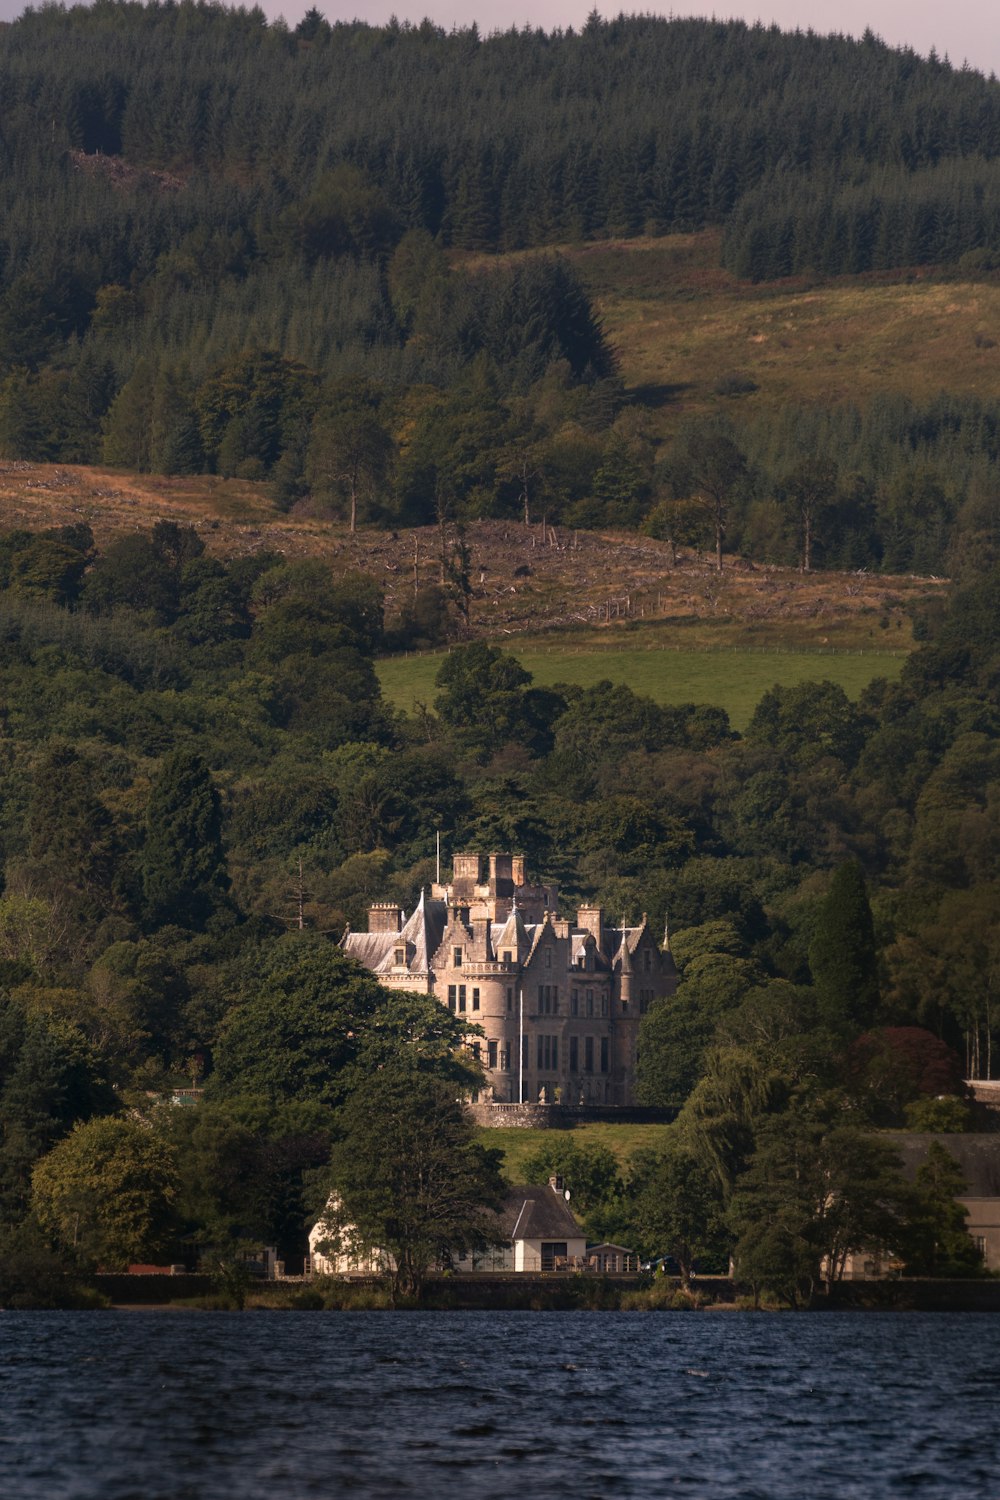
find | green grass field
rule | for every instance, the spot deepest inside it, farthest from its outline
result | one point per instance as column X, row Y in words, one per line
column 623, row 1140
column 733, row 679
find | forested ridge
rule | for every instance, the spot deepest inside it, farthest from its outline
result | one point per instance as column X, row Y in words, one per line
column 233, row 248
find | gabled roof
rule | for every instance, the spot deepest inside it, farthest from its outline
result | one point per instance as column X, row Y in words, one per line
column 513, row 937
column 420, row 936
column 533, row 1213
column 977, row 1155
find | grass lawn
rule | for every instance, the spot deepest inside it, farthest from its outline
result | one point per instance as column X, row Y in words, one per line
column 623, row 1140
column 734, row 679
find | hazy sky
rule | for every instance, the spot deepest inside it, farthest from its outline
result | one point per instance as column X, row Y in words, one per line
column 966, row 30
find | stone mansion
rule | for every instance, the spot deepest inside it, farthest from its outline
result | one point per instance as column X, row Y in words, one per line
column 559, row 1001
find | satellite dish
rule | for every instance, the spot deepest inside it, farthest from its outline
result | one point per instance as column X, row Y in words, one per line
column 566, row 1195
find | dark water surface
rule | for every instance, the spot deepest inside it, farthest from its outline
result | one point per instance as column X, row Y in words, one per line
column 195, row 1406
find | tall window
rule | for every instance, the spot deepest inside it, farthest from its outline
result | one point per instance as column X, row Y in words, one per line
column 461, row 997
column 475, row 999
column 574, row 1054
column 456, row 958
column 451, row 996
column 588, row 1054
column 510, row 998
column 604, row 1054
column 492, row 1053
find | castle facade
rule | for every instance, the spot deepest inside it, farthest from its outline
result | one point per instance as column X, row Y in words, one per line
column 559, row 1001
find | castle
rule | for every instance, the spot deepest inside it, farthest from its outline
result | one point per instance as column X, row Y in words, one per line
column 559, row 1001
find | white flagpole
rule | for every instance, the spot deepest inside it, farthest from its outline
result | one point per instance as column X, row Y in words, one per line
column 520, row 1048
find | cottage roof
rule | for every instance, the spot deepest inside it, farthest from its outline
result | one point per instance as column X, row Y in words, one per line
column 533, row 1213
column 977, row 1155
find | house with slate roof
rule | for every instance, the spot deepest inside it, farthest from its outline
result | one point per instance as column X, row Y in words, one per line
column 535, row 1231
column 978, row 1156
column 559, row 999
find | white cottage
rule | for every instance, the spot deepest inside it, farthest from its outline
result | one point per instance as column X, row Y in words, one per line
column 536, row 1231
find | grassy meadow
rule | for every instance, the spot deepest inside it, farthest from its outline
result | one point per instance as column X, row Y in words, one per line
column 623, row 1140
column 679, row 323
column 734, row 679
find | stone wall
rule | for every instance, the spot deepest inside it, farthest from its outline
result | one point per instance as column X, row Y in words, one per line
column 565, row 1116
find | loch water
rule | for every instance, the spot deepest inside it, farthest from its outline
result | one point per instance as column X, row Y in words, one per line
column 172, row 1405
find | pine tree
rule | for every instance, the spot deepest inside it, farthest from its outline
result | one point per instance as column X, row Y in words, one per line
column 842, row 955
column 184, row 872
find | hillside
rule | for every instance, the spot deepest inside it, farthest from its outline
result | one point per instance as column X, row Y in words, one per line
column 522, row 585
column 681, row 324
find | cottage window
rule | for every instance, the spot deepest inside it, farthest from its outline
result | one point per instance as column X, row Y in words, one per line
column 475, row 999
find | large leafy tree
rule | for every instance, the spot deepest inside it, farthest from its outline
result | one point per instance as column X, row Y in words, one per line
column 309, row 1021
column 107, row 1192
column 679, row 1208
column 408, row 1177
column 815, row 1192
column 936, row 1241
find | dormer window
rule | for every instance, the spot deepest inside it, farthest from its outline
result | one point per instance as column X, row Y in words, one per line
column 400, row 958
column 508, row 958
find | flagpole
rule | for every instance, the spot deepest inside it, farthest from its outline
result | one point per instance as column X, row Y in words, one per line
column 520, row 1048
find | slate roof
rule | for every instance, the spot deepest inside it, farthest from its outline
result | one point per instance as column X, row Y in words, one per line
column 421, row 934
column 538, row 1213
column 977, row 1155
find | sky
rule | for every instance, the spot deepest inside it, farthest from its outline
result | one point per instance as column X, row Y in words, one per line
column 965, row 30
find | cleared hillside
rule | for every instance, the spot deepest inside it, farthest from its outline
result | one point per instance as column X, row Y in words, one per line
column 681, row 326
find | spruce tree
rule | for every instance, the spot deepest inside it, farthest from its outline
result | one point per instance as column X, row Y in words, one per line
column 842, row 954
column 184, row 874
